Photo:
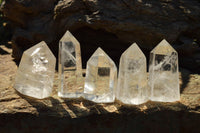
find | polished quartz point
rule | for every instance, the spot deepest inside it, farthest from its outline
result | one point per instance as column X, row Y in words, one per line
column 164, row 74
column 101, row 78
column 35, row 74
column 71, row 81
column 132, row 79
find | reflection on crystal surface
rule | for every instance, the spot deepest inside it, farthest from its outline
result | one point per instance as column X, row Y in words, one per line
column 36, row 72
column 101, row 78
column 70, row 67
column 163, row 73
column 132, row 79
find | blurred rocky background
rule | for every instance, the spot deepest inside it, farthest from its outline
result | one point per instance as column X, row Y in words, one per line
column 111, row 24
column 5, row 29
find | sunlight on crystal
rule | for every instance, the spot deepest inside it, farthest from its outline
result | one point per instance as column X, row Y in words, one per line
column 70, row 67
column 35, row 74
column 132, row 79
column 164, row 74
column 101, row 78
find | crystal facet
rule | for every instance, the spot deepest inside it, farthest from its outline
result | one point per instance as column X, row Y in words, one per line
column 132, row 79
column 70, row 67
column 164, row 74
column 101, row 78
column 35, row 74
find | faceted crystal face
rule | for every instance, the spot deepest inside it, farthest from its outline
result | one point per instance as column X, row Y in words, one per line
column 163, row 73
column 101, row 78
column 70, row 67
column 35, row 74
column 132, row 79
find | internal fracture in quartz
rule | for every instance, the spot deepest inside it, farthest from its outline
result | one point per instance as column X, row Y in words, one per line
column 71, row 81
column 101, row 78
column 35, row 74
column 164, row 74
column 132, row 79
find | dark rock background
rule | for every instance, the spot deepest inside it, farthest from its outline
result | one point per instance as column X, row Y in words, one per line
column 111, row 24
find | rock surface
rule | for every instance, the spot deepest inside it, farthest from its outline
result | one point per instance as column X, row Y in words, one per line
column 19, row 113
column 112, row 24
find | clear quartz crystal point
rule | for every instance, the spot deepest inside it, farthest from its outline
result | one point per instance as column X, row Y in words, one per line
column 164, row 74
column 132, row 79
column 71, row 81
column 101, row 78
column 35, row 74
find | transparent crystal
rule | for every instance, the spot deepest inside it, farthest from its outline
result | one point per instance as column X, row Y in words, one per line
column 164, row 74
column 35, row 74
column 70, row 67
column 132, row 79
column 101, row 78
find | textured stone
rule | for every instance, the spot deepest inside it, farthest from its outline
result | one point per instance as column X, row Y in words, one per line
column 35, row 74
column 70, row 86
column 132, row 79
column 164, row 73
column 101, row 78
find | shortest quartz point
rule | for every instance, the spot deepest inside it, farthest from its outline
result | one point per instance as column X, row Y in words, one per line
column 35, row 74
column 101, row 78
column 132, row 80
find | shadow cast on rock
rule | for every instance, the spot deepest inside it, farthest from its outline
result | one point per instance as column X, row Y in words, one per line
column 47, row 107
column 93, row 117
column 71, row 108
column 185, row 77
column 82, row 107
column 3, row 52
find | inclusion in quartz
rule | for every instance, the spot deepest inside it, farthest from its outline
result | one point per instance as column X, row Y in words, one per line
column 101, row 78
column 132, row 79
column 164, row 74
column 71, row 81
column 35, row 74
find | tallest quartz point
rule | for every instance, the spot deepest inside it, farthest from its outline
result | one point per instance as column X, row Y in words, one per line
column 70, row 67
column 163, row 73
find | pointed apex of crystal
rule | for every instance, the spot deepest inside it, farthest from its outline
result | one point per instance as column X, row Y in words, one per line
column 69, row 37
column 163, row 48
column 99, row 51
column 101, row 55
column 164, row 42
column 66, row 36
column 133, row 51
column 38, row 48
